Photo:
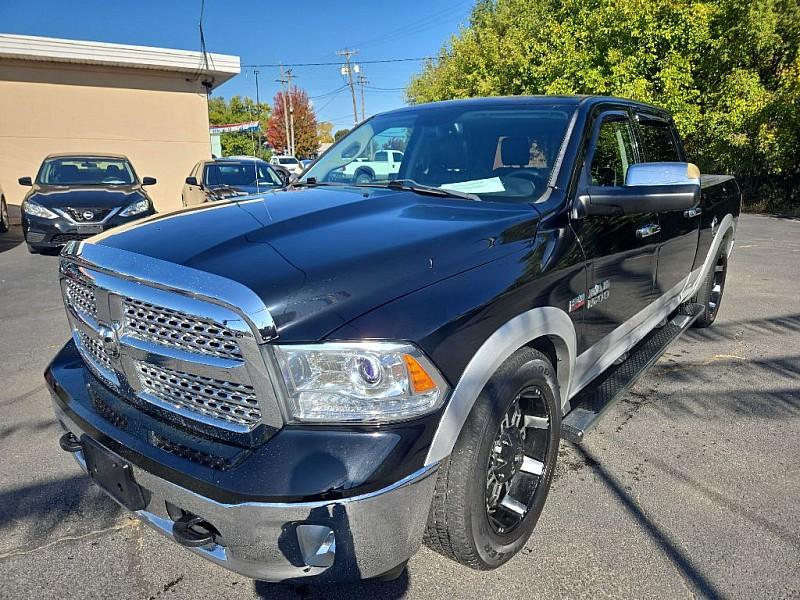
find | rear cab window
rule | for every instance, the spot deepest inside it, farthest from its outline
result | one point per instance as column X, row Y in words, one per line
column 658, row 139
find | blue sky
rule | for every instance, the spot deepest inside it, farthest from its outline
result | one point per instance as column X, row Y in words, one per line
column 261, row 32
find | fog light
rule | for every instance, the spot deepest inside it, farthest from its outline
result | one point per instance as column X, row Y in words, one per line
column 317, row 545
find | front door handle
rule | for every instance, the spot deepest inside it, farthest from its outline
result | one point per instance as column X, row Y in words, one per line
column 692, row 212
column 647, row 231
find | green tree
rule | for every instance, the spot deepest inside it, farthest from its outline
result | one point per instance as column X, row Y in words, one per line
column 728, row 70
column 324, row 130
column 239, row 110
column 340, row 133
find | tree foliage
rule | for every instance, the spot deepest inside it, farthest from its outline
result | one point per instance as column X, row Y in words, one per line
column 340, row 133
column 306, row 134
column 325, row 130
column 728, row 70
column 239, row 110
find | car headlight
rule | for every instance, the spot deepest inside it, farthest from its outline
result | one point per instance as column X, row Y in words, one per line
column 358, row 382
column 37, row 210
column 136, row 208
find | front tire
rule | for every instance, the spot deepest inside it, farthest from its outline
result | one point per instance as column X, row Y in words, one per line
column 491, row 491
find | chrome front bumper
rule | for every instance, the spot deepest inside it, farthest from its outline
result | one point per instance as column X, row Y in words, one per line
column 373, row 532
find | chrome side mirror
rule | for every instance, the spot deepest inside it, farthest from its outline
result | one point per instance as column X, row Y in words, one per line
column 662, row 173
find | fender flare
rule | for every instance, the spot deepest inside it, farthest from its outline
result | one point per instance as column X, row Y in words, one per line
column 696, row 277
column 548, row 321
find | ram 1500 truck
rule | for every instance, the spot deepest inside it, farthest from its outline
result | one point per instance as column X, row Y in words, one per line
column 309, row 383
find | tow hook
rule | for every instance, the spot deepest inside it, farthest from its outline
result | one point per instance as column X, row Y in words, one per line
column 193, row 531
column 69, row 443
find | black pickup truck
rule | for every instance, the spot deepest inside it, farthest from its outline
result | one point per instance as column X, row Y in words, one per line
column 308, row 383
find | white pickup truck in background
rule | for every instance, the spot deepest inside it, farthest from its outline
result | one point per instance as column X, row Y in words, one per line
column 381, row 167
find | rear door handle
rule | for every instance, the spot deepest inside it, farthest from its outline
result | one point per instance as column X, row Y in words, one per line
column 692, row 212
column 647, row 231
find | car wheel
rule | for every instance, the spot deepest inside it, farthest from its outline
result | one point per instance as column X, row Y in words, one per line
column 4, row 220
column 363, row 177
column 710, row 293
column 491, row 490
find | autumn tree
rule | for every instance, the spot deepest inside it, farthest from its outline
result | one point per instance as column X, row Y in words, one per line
column 728, row 70
column 306, row 133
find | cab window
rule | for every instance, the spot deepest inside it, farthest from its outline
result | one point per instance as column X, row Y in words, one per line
column 613, row 152
column 658, row 140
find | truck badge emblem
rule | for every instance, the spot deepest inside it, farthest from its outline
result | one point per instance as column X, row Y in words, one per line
column 88, row 215
column 598, row 292
column 577, row 302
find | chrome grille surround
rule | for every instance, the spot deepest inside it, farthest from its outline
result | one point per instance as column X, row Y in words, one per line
column 232, row 402
column 171, row 328
column 226, row 385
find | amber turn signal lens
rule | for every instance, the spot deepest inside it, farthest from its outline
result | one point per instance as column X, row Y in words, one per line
column 421, row 382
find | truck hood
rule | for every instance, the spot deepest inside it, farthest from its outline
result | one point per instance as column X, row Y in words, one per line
column 56, row 196
column 320, row 257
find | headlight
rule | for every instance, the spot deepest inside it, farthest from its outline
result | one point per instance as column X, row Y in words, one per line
column 136, row 208
column 358, row 382
column 37, row 210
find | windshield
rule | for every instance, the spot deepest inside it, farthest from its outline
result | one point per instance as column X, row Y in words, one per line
column 241, row 174
column 501, row 152
column 86, row 171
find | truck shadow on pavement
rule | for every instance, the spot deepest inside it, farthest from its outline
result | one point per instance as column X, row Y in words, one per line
column 689, row 570
column 40, row 514
column 345, row 591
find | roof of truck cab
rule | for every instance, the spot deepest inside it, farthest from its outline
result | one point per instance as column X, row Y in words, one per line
column 573, row 101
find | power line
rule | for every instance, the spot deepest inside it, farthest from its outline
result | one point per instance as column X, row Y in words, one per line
column 329, row 64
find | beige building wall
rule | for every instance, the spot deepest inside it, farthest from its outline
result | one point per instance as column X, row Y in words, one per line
column 159, row 120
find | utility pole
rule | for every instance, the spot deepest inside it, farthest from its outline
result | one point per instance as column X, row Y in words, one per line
column 362, row 81
column 258, row 113
column 283, row 81
column 348, row 69
column 289, row 78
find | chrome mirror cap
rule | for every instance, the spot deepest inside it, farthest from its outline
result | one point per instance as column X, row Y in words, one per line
column 662, row 173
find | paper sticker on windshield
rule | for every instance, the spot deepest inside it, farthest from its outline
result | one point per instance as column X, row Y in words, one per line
column 476, row 186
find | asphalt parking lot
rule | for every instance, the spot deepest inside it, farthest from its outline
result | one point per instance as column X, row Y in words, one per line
column 690, row 487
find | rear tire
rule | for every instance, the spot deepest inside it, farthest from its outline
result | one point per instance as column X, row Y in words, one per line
column 710, row 293
column 363, row 177
column 475, row 520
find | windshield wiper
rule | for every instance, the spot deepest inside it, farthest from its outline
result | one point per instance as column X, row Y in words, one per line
column 412, row 186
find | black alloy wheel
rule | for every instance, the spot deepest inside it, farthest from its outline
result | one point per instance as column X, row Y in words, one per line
column 517, row 460
column 710, row 293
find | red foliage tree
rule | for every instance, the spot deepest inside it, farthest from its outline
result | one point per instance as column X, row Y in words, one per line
column 306, row 134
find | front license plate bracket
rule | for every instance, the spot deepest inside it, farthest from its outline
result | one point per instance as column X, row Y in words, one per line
column 113, row 474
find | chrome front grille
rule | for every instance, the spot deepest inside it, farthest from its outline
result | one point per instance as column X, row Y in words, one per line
column 170, row 349
column 95, row 350
column 80, row 296
column 186, row 332
column 231, row 402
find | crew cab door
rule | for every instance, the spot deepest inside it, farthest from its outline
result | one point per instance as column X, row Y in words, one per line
column 680, row 229
column 620, row 250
